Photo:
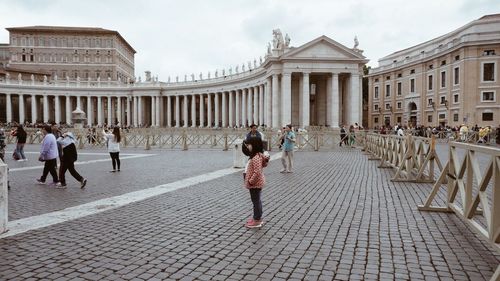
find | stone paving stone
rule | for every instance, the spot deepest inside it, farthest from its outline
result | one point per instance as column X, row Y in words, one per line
column 337, row 217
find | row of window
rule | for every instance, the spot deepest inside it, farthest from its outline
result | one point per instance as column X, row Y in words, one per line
column 82, row 74
column 62, row 42
column 63, row 58
column 486, row 96
column 485, row 116
column 488, row 75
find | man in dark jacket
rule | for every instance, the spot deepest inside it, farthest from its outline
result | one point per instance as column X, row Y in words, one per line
column 68, row 159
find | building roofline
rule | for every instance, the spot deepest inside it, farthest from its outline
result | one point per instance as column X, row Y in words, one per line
column 70, row 29
column 494, row 17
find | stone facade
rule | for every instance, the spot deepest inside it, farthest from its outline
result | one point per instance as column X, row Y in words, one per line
column 449, row 80
column 316, row 84
column 72, row 52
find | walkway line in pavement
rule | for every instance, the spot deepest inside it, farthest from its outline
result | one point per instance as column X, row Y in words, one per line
column 35, row 222
column 131, row 156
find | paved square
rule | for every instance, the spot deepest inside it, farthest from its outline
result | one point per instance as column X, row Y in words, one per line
column 337, row 217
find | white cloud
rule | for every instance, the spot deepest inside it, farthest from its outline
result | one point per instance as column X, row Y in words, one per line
column 184, row 37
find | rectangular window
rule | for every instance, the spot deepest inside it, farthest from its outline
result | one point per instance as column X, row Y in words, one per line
column 443, row 79
column 489, row 72
column 387, row 90
column 412, row 71
column 487, row 116
column 488, row 96
column 399, row 88
column 399, row 119
column 443, row 100
column 429, row 118
column 430, row 102
column 457, row 57
column 376, row 93
column 412, row 85
column 456, row 76
column 376, row 79
column 399, row 105
column 375, row 107
column 430, row 79
column 455, row 98
column 455, row 117
column 375, row 120
column 400, row 75
column 387, row 106
column 489, row 53
column 442, row 116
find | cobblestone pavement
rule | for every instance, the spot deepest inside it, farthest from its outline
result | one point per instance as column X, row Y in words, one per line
column 26, row 198
column 337, row 217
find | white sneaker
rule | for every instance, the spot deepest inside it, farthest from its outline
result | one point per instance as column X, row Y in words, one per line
column 283, row 171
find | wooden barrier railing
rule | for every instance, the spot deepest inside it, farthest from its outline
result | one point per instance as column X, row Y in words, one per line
column 468, row 186
column 3, row 197
column 182, row 138
column 414, row 158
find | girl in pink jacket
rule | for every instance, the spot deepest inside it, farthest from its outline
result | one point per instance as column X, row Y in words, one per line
column 255, row 180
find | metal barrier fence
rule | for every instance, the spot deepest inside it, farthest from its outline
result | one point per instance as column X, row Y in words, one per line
column 195, row 138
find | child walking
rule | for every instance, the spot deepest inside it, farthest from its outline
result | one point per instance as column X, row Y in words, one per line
column 255, row 180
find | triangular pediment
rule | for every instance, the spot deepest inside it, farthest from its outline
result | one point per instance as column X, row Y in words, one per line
column 323, row 47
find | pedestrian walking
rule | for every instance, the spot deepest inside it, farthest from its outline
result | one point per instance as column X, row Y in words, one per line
column 21, row 136
column 255, row 179
column 113, row 143
column 68, row 159
column 343, row 136
column 288, row 145
column 48, row 155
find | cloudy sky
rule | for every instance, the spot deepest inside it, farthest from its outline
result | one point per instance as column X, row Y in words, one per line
column 192, row 36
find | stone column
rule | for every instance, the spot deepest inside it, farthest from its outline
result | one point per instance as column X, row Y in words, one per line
column 152, row 112
column 202, row 110
column 209, row 110
column 68, row 110
column 185, row 111
column 193, row 111
column 99, row 111
column 45, row 108
column 110, row 117
column 129, row 114
column 89, row 111
column 286, row 98
column 335, row 110
column 244, row 107
column 21, row 109
column 57, row 109
column 305, row 100
column 216, row 103
column 158, row 103
column 355, row 94
column 224, row 110
column 169, row 111
column 140, row 115
column 269, row 104
column 78, row 102
column 135, row 111
column 249, row 106
column 119, row 110
column 256, row 105
column 237, row 108
column 177, row 111
column 9, row 107
column 261, row 104
column 276, row 102
column 33, row 109
column 231, row 109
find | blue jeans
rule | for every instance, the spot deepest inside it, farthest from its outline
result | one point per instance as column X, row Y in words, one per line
column 257, row 203
column 20, row 150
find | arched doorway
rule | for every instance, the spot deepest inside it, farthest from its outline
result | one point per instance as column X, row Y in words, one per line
column 412, row 121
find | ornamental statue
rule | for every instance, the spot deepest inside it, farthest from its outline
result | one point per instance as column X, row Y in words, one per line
column 269, row 52
column 278, row 41
column 287, row 40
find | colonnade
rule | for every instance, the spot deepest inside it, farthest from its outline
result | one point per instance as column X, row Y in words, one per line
column 268, row 102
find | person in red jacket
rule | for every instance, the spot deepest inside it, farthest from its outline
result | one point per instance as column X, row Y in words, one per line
column 255, row 179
